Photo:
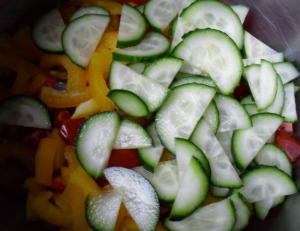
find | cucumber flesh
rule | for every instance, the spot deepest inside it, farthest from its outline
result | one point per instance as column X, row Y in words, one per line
column 289, row 111
column 217, row 216
column 263, row 207
column 219, row 192
column 287, row 71
column 138, row 67
column 132, row 135
column 180, row 113
column 241, row 11
column 133, row 27
column 215, row 15
column 95, row 140
column 140, row 198
column 246, row 143
column 81, row 37
column 214, row 53
column 102, row 208
column 222, row 172
column 151, row 156
column 192, row 192
column 265, row 182
column 47, row 31
column 242, row 211
column 25, row 111
column 247, row 100
column 225, row 139
column 212, row 116
column 88, row 10
column 275, row 58
column 129, row 103
column 164, row 180
column 192, row 79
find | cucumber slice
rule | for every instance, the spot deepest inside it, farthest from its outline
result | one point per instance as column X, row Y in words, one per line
column 265, row 182
column 241, row 11
column 287, row 71
column 261, row 78
column 172, row 28
column 254, row 48
column 233, row 116
column 151, row 156
column 140, row 198
column 192, row 193
column 212, row 116
column 129, row 103
column 102, row 209
column 251, row 109
column 219, row 192
column 215, row 53
column 271, row 155
column 181, row 75
column 164, row 180
column 123, row 78
column 185, row 149
column 262, row 208
column 159, row 13
column 289, row 111
column 133, row 27
column 225, row 139
column 25, row 111
column 217, row 217
column 215, row 15
column 182, row 27
column 186, row 3
column 95, row 140
column 88, row 10
column 222, row 172
column 246, row 143
column 242, row 211
column 189, row 68
column 47, row 31
column 153, row 46
column 163, row 70
column 81, row 37
column 193, row 79
column 138, row 67
column 275, row 58
column 180, row 113
column 247, row 100
column 132, row 135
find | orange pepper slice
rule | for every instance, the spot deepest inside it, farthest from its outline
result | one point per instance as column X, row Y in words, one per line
column 44, row 161
column 113, row 7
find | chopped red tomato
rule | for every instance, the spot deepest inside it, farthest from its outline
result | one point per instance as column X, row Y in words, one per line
column 241, row 91
column 50, row 82
column 127, row 158
column 287, row 128
column 70, row 128
column 61, row 117
column 58, row 184
column 288, row 144
column 133, row 1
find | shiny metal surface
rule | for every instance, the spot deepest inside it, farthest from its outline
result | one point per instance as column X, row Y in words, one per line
column 275, row 22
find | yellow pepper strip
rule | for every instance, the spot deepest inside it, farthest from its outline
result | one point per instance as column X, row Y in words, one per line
column 129, row 224
column 98, row 85
column 114, row 23
column 71, row 157
column 63, row 99
column 23, row 38
column 21, row 83
column 59, row 158
column 47, row 211
column 104, row 61
column 121, row 216
column 113, row 7
column 44, row 161
column 167, row 156
column 19, row 151
column 86, row 109
column 17, row 63
column 36, row 84
column 109, row 40
column 76, row 75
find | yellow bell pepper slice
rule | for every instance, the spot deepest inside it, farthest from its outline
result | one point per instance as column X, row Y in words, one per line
column 21, row 83
column 59, row 158
column 44, row 161
column 76, row 75
column 109, row 40
column 63, row 99
column 113, row 7
column 86, row 109
column 36, row 84
column 71, row 157
column 33, row 187
column 104, row 61
column 98, row 85
column 47, row 211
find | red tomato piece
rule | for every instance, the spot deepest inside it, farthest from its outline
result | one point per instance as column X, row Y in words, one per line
column 288, row 144
column 58, row 184
column 127, row 158
column 287, row 128
column 241, row 91
column 50, row 82
column 70, row 128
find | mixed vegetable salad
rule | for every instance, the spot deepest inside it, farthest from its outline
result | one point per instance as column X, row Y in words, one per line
column 148, row 115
